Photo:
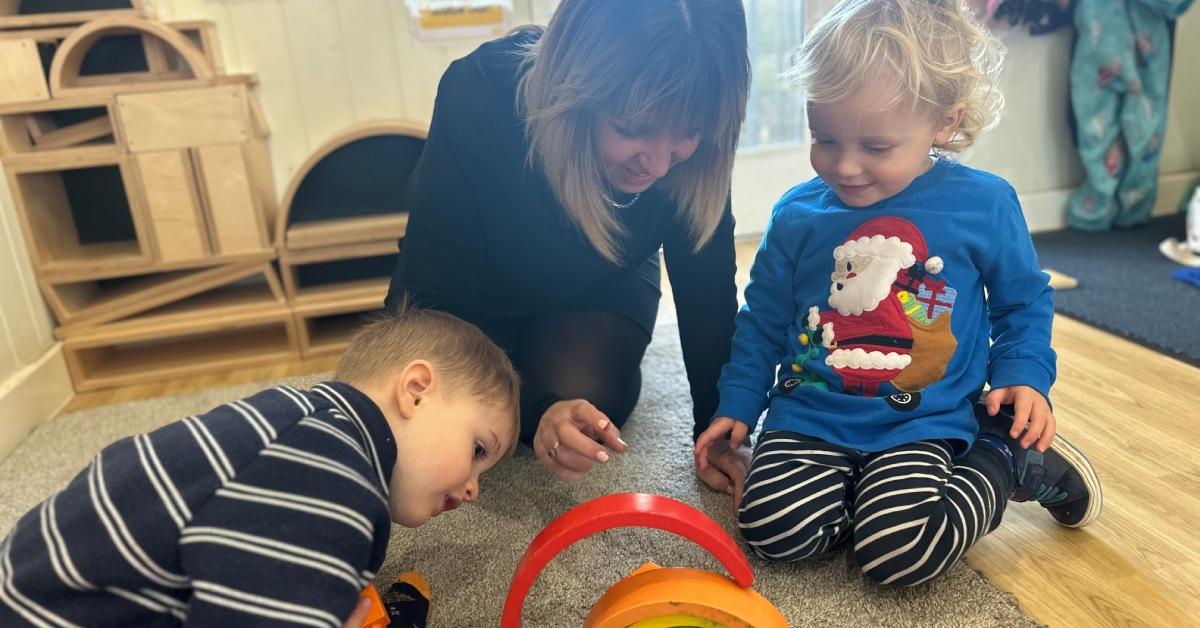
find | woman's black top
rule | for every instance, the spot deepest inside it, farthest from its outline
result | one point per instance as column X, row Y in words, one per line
column 487, row 239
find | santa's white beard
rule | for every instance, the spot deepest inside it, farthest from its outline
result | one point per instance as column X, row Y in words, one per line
column 863, row 293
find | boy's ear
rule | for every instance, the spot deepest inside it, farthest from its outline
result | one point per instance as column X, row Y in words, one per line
column 412, row 386
column 951, row 119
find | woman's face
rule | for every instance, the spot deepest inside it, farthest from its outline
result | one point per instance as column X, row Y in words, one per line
column 634, row 158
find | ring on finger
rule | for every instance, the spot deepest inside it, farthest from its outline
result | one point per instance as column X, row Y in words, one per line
column 553, row 451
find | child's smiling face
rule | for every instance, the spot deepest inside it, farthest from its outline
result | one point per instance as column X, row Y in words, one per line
column 868, row 153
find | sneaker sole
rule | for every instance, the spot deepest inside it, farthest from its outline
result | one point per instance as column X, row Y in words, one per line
column 1081, row 464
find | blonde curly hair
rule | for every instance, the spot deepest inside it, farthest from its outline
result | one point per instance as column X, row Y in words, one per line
column 933, row 51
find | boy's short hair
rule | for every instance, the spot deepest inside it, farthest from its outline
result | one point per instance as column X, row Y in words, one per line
column 468, row 360
column 935, row 51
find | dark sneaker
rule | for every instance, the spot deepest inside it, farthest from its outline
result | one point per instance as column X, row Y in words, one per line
column 1062, row 479
column 407, row 601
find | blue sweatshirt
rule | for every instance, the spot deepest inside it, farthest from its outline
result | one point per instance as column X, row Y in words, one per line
column 870, row 327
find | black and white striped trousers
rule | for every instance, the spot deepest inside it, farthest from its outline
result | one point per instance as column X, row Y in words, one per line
column 911, row 511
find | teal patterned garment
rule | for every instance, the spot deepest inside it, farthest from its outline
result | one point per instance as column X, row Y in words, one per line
column 1119, row 77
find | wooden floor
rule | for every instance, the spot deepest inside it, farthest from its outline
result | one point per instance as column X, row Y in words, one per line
column 1134, row 412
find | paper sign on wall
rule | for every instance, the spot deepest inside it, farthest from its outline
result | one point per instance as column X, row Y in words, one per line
column 439, row 21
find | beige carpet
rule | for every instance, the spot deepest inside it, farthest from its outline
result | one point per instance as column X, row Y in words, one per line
column 469, row 555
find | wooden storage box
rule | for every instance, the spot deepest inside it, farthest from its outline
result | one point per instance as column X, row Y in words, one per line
column 238, row 326
column 326, row 321
column 323, row 273
column 97, row 301
column 80, row 212
column 37, row 133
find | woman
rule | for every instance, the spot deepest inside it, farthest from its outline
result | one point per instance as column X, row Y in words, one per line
column 559, row 161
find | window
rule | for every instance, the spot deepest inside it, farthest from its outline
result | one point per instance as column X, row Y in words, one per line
column 775, row 113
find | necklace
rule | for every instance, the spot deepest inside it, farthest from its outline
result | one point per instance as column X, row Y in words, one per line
column 615, row 205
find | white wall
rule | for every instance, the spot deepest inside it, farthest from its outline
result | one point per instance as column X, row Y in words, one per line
column 34, row 383
column 324, row 64
column 1031, row 146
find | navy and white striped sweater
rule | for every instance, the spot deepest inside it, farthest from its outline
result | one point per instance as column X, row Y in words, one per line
column 270, row 510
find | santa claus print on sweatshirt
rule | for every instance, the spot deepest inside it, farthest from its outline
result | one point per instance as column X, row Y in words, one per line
column 891, row 313
column 872, row 327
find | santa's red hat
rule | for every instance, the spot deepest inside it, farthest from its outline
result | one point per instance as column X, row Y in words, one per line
column 891, row 238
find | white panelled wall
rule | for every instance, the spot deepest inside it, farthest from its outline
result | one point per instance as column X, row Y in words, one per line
column 34, row 383
column 1031, row 147
column 326, row 64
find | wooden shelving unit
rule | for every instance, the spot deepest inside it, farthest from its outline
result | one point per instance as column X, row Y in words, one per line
column 234, row 326
column 143, row 194
column 337, row 237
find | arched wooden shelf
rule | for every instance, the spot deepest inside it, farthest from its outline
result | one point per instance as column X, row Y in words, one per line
column 338, row 226
column 363, row 171
column 65, row 79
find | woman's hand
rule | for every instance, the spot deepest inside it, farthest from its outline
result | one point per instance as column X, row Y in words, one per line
column 567, row 435
column 723, row 464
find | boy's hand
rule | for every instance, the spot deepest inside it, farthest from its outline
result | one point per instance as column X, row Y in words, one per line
column 1030, row 413
column 359, row 615
column 722, row 464
column 567, row 435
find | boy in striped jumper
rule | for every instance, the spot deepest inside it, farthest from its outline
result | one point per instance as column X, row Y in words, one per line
column 274, row 509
